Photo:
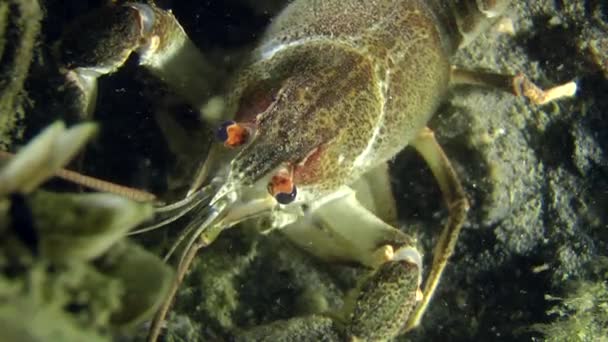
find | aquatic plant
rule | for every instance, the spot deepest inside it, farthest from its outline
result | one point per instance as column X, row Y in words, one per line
column 582, row 315
column 66, row 273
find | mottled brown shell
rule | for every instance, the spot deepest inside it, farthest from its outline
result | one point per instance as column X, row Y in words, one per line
column 385, row 302
column 350, row 83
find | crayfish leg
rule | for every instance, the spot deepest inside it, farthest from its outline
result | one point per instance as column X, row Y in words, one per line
column 458, row 206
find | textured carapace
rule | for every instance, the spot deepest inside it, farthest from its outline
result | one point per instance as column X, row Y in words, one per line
column 385, row 302
column 337, row 87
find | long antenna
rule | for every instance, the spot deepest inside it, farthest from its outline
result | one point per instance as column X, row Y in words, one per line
column 97, row 184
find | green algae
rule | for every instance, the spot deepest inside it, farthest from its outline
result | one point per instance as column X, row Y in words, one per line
column 308, row 328
column 582, row 314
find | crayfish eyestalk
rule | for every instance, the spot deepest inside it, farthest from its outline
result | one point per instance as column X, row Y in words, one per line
column 234, row 134
column 282, row 188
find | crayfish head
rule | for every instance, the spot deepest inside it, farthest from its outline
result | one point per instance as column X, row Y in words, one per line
column 301, row 120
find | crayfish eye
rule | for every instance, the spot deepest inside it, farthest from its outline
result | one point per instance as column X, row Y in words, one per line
column 222, row 131
column 286, row 198
column 232, row 134
column 283, row 189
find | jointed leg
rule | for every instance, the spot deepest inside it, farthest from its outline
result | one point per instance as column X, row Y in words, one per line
column 518, row 85
column 458, row 206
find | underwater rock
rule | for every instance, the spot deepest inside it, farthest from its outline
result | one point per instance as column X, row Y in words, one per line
column 534, row 175
column 313, row 328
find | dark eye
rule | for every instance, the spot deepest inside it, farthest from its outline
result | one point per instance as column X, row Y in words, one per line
column 222, row 131
column 282, row 188
column 286, row 198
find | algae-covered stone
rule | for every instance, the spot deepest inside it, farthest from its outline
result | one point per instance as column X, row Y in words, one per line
column 300, row 329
